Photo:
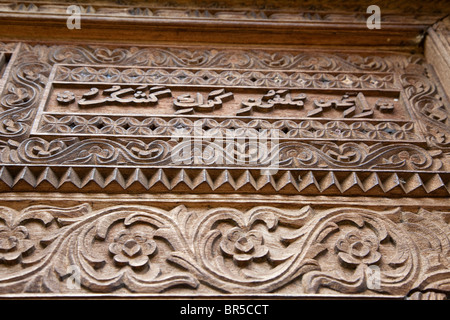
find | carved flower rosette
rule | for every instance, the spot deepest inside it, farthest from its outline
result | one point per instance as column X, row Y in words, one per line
column 240, row 251
column 350, row 244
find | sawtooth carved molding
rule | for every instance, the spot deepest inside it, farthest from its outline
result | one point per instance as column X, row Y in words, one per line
column 144, row 249
column 206, row 180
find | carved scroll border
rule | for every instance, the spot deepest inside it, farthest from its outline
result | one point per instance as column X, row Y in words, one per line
column 141, row 249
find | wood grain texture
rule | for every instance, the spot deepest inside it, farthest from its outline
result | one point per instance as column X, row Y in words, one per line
column 226, row 22
column 436, row 47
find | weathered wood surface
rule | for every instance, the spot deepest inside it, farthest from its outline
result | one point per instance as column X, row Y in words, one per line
column 309, row 23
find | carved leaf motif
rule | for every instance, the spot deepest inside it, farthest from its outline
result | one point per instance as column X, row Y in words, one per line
column 354, row 249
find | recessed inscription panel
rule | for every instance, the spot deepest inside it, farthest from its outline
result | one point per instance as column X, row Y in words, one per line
column 141, row 101
column 144, row 100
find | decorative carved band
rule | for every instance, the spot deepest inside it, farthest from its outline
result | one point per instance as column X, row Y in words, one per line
column 165, row 126
column 283, row 154
column 229, row 59
column 171, row 142
column 201, row 180
column 312, row 12
column 145, row 249
column 245, row 78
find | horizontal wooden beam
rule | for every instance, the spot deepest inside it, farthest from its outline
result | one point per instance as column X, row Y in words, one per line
column 48, row 27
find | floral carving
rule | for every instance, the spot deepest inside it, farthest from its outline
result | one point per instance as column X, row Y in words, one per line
column 429, row 104
column 353, row 244
column 357, row 248
column 243, row 245
column 243, row 249
column 261, row 250
column 230, row 59
column 96, row 154
column 164, row 154
column 65, row 97
column 132, row 249
column 14, row 243
column 48, row 149
column 24, row 90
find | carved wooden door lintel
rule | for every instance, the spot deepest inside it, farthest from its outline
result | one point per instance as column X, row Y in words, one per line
column 216, row 170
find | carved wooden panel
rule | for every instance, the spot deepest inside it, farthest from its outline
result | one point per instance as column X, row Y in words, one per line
column 79, row 118
column 345, row 123
column 200, row 170
column 290, row 250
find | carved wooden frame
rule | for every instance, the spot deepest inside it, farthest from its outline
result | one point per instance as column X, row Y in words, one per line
column 223, row 230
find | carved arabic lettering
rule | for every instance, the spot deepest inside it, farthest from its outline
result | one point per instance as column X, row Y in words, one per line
column 384, row 105
column 117, row 94
column 271, row 100
column 188, row 104
column 354, row 107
